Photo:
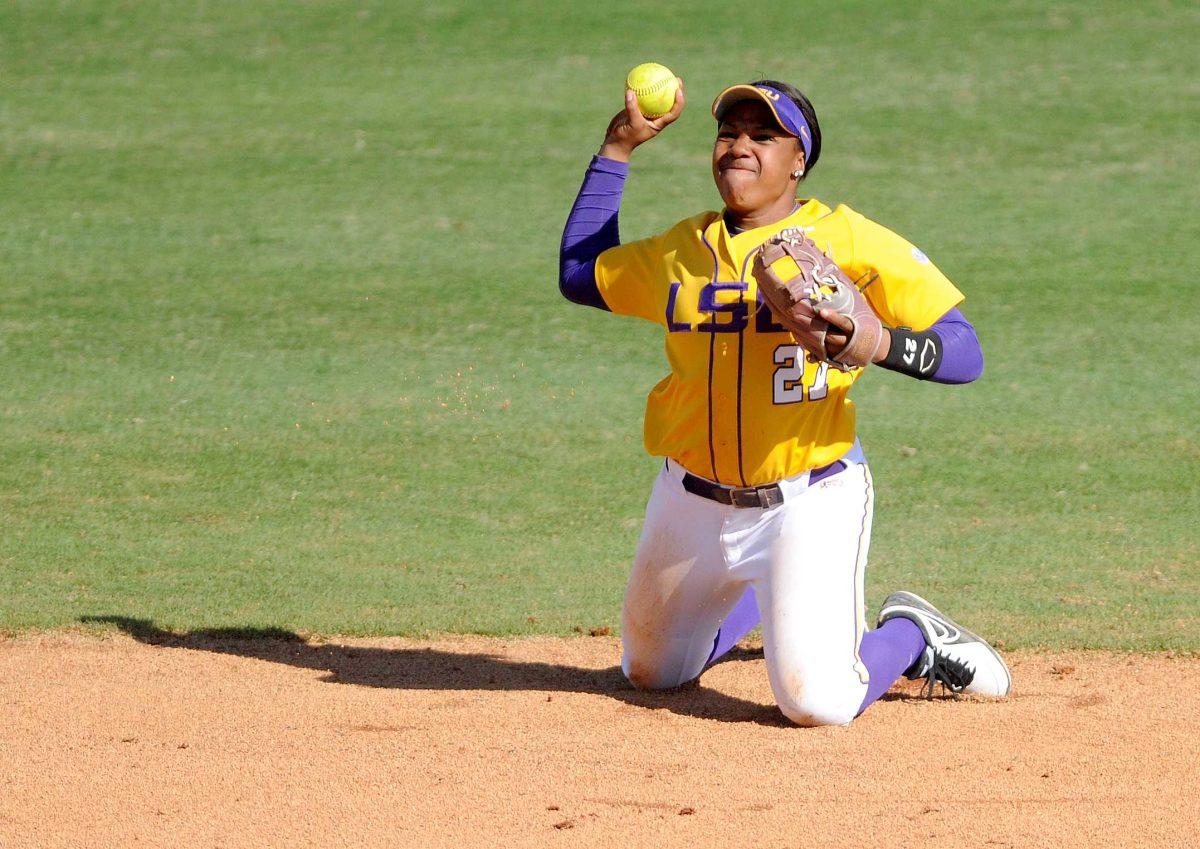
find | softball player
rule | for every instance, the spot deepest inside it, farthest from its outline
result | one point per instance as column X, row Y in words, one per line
column 762, row 508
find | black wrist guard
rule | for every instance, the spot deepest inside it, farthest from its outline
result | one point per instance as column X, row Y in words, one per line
column 915, row 354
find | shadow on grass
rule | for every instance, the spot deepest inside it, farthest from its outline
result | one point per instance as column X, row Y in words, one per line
column 440, row 669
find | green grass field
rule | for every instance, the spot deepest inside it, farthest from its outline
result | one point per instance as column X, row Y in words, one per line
column 281, row 343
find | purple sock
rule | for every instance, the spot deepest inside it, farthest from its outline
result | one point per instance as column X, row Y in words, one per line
column 740, row 622
column 887, row 652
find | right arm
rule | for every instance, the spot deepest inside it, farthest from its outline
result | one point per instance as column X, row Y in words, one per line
column 592, row 226
column 591, row 229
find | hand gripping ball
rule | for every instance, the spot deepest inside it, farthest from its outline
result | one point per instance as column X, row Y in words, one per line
column 655, row 86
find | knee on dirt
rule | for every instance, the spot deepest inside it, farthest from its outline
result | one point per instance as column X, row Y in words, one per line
column 812, row 704
column 654, row 676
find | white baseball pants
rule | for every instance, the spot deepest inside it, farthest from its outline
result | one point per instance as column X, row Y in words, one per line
column 806, row 560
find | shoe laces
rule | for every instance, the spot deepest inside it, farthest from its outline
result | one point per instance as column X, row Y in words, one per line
column 953, row 675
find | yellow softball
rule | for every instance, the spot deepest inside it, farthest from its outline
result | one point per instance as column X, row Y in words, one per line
column 655, row 86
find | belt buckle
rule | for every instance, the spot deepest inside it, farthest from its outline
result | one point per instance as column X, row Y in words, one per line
column 771, row 496
column 749, row 497
column 765, row 497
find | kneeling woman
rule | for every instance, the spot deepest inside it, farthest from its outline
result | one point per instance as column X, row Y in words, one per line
column 763, row 505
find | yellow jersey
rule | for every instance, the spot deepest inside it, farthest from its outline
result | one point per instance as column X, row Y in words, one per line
column 742, row 406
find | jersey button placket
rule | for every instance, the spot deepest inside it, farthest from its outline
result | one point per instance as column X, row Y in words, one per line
column 722, row 401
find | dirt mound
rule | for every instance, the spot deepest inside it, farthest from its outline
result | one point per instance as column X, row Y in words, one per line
column 220, row 741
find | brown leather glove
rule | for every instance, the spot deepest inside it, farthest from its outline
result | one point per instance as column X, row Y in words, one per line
column 818, row 284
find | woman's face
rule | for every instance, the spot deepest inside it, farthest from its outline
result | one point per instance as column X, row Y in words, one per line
column 753, row 159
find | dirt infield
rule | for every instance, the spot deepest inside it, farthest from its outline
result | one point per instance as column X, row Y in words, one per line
column 208, row 741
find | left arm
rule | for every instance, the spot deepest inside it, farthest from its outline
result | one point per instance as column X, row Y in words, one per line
column 962, row 355
column 948, row 352
column 905, row 290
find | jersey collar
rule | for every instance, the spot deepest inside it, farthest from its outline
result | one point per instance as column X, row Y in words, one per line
column 738, row 246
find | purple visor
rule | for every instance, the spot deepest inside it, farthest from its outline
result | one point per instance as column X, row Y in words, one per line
column 787, row 113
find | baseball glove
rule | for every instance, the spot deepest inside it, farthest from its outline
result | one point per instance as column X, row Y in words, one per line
column 819, row 284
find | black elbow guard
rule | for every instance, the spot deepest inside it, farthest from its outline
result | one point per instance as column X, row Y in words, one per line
column 915, row 354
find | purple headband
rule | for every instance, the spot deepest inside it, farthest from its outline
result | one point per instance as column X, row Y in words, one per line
column 786, row 112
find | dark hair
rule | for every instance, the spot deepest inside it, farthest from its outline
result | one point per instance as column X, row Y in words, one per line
column 806, row 109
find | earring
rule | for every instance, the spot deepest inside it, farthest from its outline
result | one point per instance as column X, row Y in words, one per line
column 796, row 175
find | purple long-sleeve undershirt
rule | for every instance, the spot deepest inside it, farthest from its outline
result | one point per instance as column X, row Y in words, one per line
column 962, row 356
column 592, row 229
